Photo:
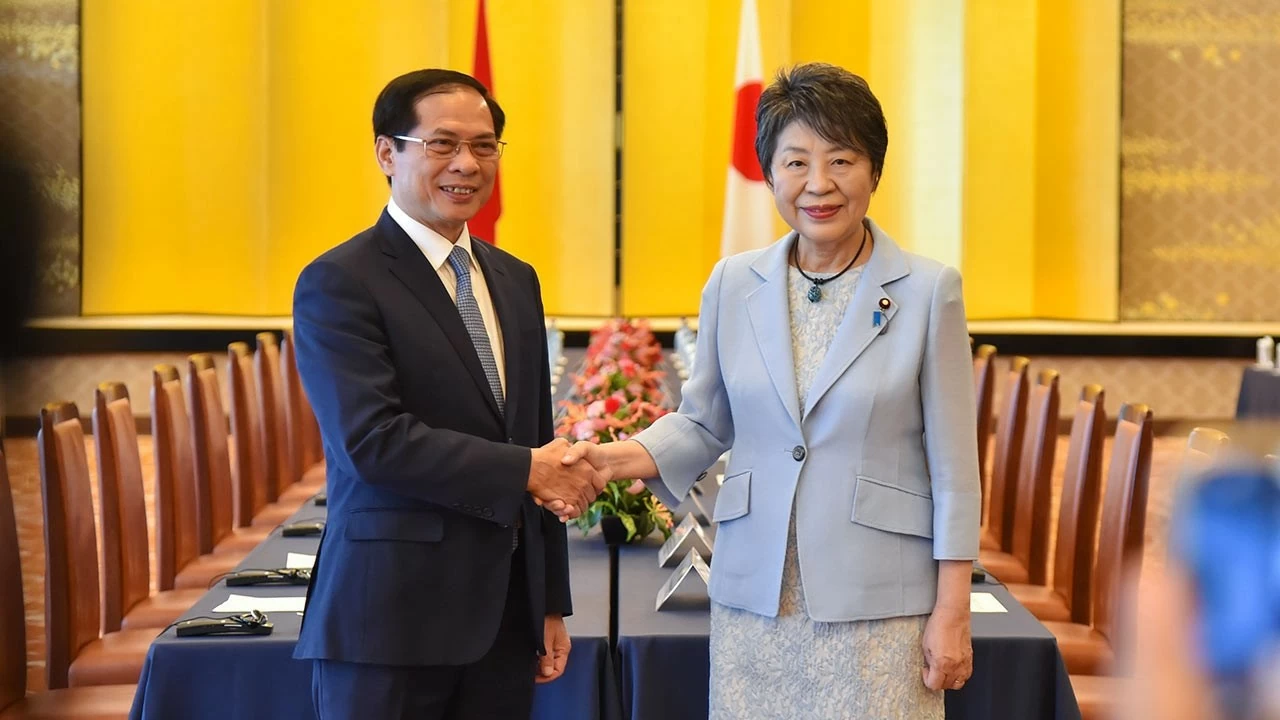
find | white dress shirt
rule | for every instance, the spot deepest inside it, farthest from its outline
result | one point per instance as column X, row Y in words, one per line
column 436, row 248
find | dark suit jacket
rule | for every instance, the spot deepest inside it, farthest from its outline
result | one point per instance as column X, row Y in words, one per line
column 425, row 479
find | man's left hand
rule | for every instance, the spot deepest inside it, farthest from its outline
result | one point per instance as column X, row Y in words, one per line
column 551, row 665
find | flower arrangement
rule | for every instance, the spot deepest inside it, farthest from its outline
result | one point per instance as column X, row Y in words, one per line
column 617, row 395
column 631, row 339
column 625, row 379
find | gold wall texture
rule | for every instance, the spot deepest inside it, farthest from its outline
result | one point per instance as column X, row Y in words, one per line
column 229, row 142
column 40, row 123
column 1200, row 206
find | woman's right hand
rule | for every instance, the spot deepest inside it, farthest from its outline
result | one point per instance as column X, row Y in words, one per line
column 586, row 451
column 626, row 459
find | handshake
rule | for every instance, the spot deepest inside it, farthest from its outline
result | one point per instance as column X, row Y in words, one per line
column 566, row 478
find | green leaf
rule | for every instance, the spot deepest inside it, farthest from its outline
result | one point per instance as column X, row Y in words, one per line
column 630, row 524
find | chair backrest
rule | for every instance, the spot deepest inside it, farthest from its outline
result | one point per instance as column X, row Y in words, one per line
column 1035, row 478
column 249, row 466
column 280, row 470
column 177, row 509
column 1203, row 445
column 984, row 384
column 122, row 505
column 214, row 489
column 1078, row 508
column 13, row 616
column 1004, row 468
column 1124, row 511
column 72, row 607
column 300, row 420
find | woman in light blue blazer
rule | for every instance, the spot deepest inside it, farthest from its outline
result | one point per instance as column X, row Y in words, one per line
column 836, row 367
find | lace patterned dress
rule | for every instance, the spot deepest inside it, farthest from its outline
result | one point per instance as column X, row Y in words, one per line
column 790, row 666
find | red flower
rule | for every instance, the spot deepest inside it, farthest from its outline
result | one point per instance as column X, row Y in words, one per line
column 628, row 367
column 611, row 404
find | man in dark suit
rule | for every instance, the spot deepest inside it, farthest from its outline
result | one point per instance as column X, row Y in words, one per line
column 442, row 580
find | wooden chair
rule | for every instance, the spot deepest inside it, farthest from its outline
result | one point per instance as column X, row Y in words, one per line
column 127, row 601
column 1028, row 562
column 1202, row 449
column 300, row 421
column 1069, row 598
column 1203, row 446
column 1098, row 696
column 215, row 493
column 78, row 653
column 1087, row 649
column 252, row 508
column 108, row 702
column 984, row 383
column 1004, row 469
column 179, row 559
column 283, row 476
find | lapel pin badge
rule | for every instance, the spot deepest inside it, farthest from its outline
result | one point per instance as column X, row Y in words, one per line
column 879, row 316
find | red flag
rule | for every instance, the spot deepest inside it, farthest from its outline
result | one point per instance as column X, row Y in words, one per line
column 485, row 224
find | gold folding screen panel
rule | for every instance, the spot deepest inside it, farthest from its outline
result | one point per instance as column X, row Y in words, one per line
column 228, row 142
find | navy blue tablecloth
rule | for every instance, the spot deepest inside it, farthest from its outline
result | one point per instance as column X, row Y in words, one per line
column 664, row 656
column 256, row 677
column 1259, row 395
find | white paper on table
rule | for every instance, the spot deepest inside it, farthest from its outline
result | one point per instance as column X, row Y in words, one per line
column 245, row 603
column 981, row 602
column 299, row 561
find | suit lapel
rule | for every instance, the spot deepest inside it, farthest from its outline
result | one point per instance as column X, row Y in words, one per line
column 768, row 309
column 413, row 269
column 504, row 306
column 858, row 328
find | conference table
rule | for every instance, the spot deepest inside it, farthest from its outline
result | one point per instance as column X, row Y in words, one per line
column 250, row 677
column 663, row 656
column 1259, row 394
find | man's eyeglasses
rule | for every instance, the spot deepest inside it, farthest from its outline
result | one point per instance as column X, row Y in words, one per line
column 445, row 148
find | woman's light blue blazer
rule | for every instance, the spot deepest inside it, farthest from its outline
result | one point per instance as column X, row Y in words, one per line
column 881, row 463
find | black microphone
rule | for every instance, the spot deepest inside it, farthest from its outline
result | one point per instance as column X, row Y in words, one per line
column 283, row 576
column 302, row 529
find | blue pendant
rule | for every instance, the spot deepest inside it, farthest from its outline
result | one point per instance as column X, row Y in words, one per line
column 815, row 294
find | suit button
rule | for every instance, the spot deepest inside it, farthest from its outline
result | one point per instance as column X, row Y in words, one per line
column 488, row 512
column 797, row 453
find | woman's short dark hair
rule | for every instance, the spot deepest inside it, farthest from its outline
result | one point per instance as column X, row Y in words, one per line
column 831, row 101
column 395, row 113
